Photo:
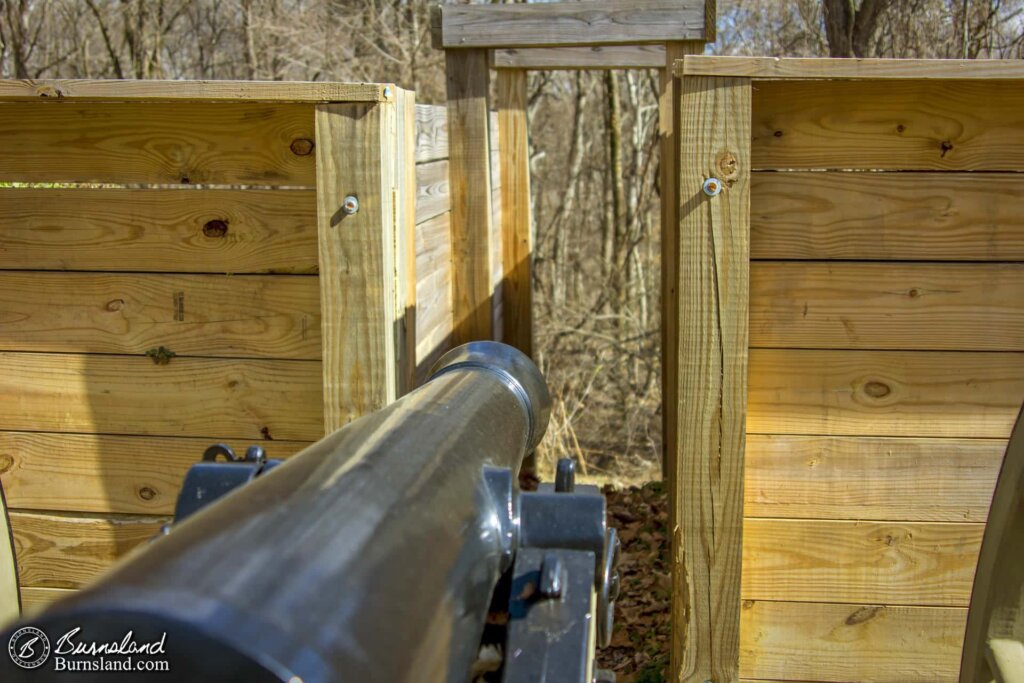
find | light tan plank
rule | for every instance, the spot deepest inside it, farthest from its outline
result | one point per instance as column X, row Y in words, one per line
column 884, row 393
column 601, row 22
column 157, row 143
column 818, row 68
column 215, row 398
column 707, row 478
column 10, row 606
column 103, row 473
column 64, row 551
column 597, row 57
column 469, row 168
column 887, row 216
column 901, row 125
column 956, row 307
column 262, row 316
column 35, row 600
column 432, row 197
column 357, row 259
column 431, row 133
column 434, row 321
column 185, row 231
column 404, row 201
column 161, row 90
column 946, row 480
column 871, row 643
column 893, row 563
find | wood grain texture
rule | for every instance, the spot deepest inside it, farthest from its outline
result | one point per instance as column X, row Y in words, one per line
column 469, row 169
column 834, row 642
column 903, row 479
column 884, row 393
column 166, row 90
column 516, row 212
column 259, row 316
column 602, row 22
column 712, row 386
column 104, row 473
column 898, row 125
column 263, row 231
column 892, row 563
column 887, row 216
column 10, row 601
column 434, row 321
column 597, row 57
column 357, row 259
column 431, row 133
column 65, row 551
column 819, row 68
column 432, row 198
column 956, row 307
column 404, row 200
column 148, row 142
column 214, row 398
column 35, row 600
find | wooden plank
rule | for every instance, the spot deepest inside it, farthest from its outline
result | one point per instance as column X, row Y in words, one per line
column 357, row 259
column 34, row 600
column 470, row 186
column 886, row 216
column 10, row 600
column 516, row 212
column 215, row 398
column 405, row 199
column 149, row 142
column 583, row 58
column 899, row 125
column 601, row 22
column 894, row 563
column 818, row 68
column 884, row 393
column 956, row 307
column 432, row 198
column 942, row 480
column 264, row 316
column 186, row 231
column 65, row 551
column 166, row 90
column 712, row 388
column 434, row 321
column 832, row 642
column 431, row 133
column 104, row 473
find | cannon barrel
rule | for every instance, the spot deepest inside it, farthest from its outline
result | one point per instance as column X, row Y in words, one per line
column 371, row 555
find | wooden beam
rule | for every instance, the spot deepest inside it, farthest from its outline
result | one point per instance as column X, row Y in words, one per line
column 601, row 22
column 10, row 599
column 405, row 202
column 793, row 68
column 469, row 170
column 597, row 57
column 711, row 398
column 358, row 298
column 516, row 229
column 206, row 91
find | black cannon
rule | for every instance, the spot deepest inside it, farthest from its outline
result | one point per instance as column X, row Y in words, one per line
column 397, row 549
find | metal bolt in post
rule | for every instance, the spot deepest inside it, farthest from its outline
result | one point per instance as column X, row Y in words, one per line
column 712, row 186
column 350, row 205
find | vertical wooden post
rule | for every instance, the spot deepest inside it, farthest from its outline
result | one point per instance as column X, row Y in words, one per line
column 469, row 175
column 405, row 239
column 668, row 115
column 713, row 284
column 516, row 230
column 355, row 149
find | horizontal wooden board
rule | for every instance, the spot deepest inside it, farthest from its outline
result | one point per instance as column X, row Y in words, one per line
column 263, row 316
column 597, row 57
column 35, row 600
column 65, row 551
column 149, row 142
column 887, row 216
column 431, row 132
column 893, row 563
column 432, row 190
column 956, row 307
column 216, row 398
column 103, row 473
column 884, row 393
column 823, row 68
column 166, row 90
column 185, row 230
column 900, row 125
column 949, row 480
column 833, row 642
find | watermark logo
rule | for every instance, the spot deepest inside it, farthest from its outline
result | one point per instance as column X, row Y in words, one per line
column 29, row 647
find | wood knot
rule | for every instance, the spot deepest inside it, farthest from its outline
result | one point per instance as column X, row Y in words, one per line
column 876, row 389
column 215, row 228
column 185, row 180
column 161, row 355
column 115, row 305
column 147, row 493
column 265, row 431
column 946, row 146
column 864, row 614
column 6, row 463
column 777, row 133
column 728, row 166
column 914, row 293
column 301, row 147
column 900, row 128
column 49, row 91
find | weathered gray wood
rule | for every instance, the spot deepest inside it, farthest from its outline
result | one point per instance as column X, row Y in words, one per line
column 595, row 57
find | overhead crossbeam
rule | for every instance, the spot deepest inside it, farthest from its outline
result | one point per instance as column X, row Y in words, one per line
column 586, row 58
